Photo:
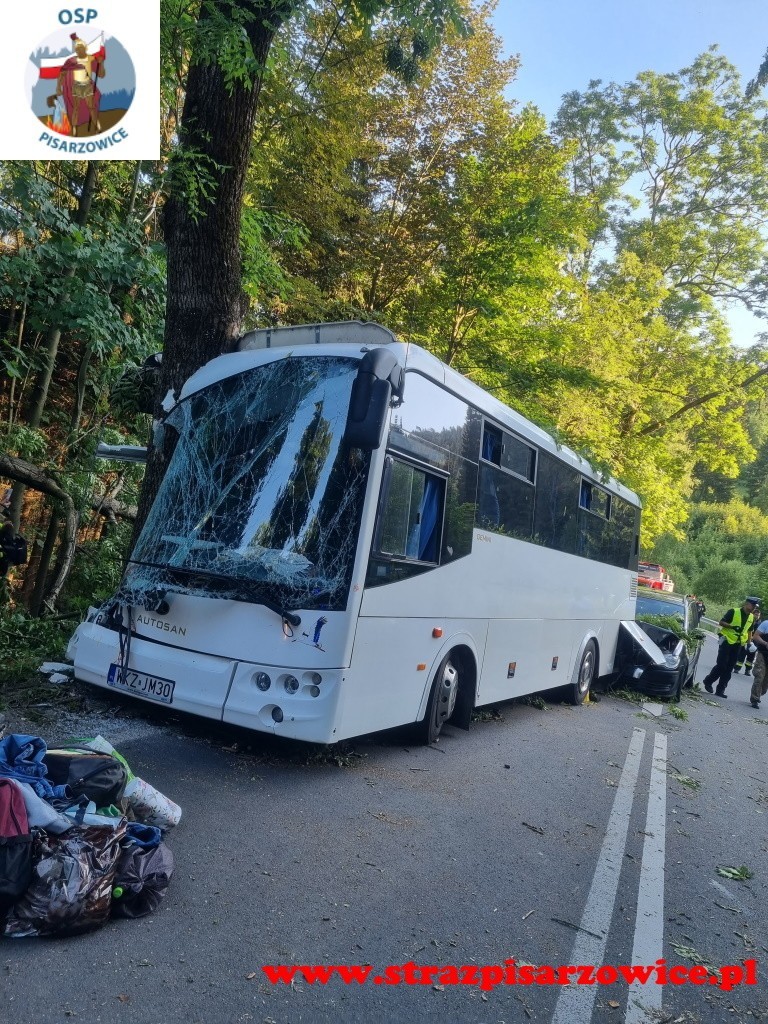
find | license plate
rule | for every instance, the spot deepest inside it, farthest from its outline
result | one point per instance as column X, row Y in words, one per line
column 143, row 685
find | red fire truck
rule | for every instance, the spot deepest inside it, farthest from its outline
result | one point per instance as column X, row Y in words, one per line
column 650, row 574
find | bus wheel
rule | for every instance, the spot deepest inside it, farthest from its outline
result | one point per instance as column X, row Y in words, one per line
column 580, row 688
column 442, row 701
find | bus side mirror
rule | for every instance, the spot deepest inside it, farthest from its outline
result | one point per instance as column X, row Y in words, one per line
column 379, row 379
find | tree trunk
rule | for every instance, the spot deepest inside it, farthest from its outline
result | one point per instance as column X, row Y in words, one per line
column 51, row 345
column 32, row 476
column 204, row 307
column 41, row 577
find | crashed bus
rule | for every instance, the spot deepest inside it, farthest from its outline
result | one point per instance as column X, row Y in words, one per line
column 351, row 536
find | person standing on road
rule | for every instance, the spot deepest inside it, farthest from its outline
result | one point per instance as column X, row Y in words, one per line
column 735, row 627
column 748, row 651
column 760, row 669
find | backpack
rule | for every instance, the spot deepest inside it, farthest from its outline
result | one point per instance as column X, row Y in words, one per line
column 15, row 844
column 89, row 773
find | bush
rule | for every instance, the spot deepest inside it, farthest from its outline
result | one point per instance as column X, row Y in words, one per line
column 96, row 571
column 723, row 582
column 26, row 642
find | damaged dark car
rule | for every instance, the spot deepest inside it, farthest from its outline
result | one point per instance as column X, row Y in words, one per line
column 679, row 640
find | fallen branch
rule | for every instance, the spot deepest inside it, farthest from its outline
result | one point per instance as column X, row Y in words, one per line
column 38, row 480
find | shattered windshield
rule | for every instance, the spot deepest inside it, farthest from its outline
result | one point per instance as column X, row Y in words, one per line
column 261, row 499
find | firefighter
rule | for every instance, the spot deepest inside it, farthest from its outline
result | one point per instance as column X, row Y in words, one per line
column 747, row 652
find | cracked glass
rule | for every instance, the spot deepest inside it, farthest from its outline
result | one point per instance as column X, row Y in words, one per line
column 262, row 499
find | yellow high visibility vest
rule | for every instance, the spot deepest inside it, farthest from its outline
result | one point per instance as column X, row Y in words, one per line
column 738, row 631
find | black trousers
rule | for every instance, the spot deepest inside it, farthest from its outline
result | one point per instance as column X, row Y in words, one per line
column 745, row 659
column 723, row 667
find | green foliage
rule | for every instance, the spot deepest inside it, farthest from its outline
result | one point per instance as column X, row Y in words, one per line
column 579, row 273
column 193, row 176
column 691, row 638
column 263, row 235
column 24, row 443
column 26, row 642
column 97, row 570
column 723, row 582
column 722, row 556
column 657, row 271
column 740, row 874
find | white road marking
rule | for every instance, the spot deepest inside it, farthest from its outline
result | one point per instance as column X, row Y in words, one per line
column 575, row 1002
column 645, row 1000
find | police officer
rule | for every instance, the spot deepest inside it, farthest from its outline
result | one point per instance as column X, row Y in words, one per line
column 735, row 628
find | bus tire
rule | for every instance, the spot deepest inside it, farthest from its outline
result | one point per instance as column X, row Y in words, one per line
column 442, row 700
column 587, row 667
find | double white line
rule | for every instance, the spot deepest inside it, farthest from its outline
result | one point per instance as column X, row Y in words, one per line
column 575, row 1002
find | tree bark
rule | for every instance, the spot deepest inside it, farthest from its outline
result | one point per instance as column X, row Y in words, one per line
column 204, row 306
column 34, row 477
column 41, row 577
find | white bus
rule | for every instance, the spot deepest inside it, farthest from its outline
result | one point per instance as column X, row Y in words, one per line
column 352, row 536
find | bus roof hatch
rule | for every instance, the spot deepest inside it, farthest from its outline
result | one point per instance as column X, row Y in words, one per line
column 351, row 332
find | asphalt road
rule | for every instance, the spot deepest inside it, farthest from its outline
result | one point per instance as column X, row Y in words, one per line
column 551, row 836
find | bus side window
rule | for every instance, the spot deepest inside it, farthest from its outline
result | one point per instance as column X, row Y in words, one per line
column 410, row 526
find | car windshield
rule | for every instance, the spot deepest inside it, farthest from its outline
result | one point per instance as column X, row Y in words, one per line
column 261, row 499
column 655, row 606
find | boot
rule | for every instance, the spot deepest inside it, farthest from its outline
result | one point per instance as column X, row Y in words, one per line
column 747, row 671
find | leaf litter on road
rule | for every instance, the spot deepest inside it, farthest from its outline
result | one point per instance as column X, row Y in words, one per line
column 740, row 874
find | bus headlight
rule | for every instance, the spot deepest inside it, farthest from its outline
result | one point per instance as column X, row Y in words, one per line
column 291, row 684
column 262, row 680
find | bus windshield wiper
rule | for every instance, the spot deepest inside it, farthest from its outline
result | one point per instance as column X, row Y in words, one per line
column 230, row 581
column 290, row 617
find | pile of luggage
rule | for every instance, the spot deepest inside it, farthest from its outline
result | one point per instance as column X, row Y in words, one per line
column 81, row 838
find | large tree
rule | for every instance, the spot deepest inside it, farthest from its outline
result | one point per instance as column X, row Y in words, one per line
column 673, row 166
column 230, row 44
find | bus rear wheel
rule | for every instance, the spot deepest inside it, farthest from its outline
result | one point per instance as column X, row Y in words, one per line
column 586, row 675
column 442, row 700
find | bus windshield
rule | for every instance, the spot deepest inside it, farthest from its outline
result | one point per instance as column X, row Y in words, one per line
column 261, row 500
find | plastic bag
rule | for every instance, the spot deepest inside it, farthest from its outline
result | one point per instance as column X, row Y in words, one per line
column 141, row 880
column 71, row 888
column 85, row 813
column 16, row 858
